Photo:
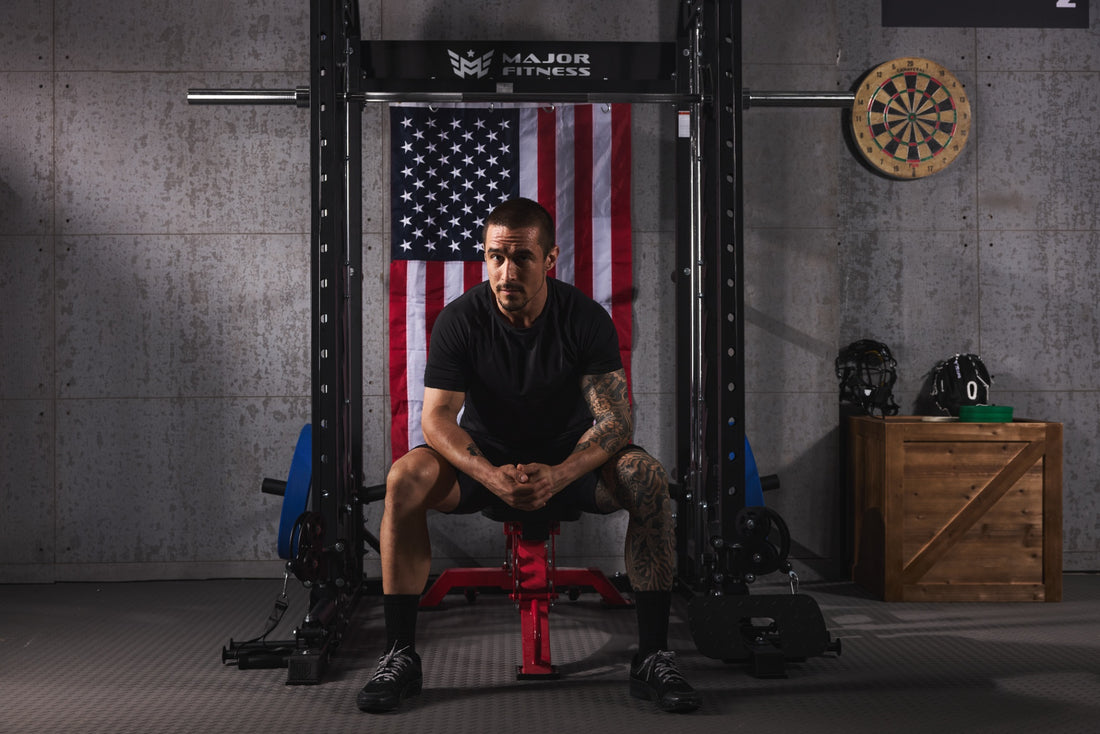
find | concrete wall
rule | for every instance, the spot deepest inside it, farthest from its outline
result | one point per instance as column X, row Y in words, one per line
column 154, row 331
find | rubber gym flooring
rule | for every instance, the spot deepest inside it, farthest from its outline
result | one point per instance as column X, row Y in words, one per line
column 146, row 657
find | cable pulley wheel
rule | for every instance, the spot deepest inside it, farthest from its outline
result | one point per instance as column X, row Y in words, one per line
column 910, row 118
column 763, row 543
column 308, row 564
column 752, row 525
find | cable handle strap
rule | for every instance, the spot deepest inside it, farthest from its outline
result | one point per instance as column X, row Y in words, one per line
column 276, row 616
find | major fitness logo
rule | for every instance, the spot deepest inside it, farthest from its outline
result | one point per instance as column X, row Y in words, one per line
column 548, row 64
column 470, row 65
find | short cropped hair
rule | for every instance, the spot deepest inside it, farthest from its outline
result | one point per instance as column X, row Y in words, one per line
column 521, row 213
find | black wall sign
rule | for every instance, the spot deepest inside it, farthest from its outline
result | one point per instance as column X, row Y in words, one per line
column 511, row 61
column 986, row 13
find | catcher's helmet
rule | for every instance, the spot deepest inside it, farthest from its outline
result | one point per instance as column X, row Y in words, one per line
column 867, row 374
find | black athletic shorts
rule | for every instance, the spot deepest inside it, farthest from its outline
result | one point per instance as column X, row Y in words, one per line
column 580, row 495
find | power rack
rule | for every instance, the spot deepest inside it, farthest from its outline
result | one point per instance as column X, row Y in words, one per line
column 723, row 545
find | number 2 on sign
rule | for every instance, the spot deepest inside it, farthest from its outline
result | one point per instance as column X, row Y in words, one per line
column 1066, row 4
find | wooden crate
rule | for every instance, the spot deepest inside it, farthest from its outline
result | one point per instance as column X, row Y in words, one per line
column 948, row 511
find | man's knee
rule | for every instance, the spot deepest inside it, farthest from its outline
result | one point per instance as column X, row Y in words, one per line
column 416, row 480
column 410, row 479
column 642, row 477
column 636, row 465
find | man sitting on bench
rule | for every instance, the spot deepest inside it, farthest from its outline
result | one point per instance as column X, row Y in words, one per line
column 547, row 420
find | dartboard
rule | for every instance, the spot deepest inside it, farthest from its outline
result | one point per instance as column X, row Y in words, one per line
column 910, row 118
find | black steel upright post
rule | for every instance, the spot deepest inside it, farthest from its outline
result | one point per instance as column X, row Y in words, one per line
column 335, row 558
column 711, row 396
column 686, row 474
column 725, row 236
column 336, row 246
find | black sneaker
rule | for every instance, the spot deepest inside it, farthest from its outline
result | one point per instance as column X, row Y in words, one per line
column 656, row 678
column 397, row 676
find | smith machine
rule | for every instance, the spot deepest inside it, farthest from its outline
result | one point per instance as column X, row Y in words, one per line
column 723, row 543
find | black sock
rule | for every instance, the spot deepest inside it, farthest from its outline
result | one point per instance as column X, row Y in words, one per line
column 400, row 611
column 653, row 610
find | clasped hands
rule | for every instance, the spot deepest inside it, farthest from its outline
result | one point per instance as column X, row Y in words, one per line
column 525, row 486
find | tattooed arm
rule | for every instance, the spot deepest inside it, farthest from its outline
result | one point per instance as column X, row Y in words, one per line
column 613, row 426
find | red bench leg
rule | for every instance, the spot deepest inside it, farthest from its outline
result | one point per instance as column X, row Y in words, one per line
column 464, row 578
column 533, row 593
column 531, row 576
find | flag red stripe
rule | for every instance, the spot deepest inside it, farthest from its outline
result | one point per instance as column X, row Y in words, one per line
column 622, row 256
column 473, row 272
column 399, row 376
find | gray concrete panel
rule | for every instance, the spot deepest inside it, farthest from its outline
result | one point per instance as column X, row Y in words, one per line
column 26, row 170
column 160, row 480
column 655, row 427
column 376, row 171
column 27, row 501
column 26, row 35
column 1039, row 310
column 864, row 43
column 945, row 201
column 198, row 315
column 376, row 245
column 788, row 153
column 1037, row 49
column 376, row 259
column 789, row 33
column 653, row 168
column 27, row 325
column 654, row 348
column 147, row 35
column 376, row 439
column 133, row 156
column 791, row 309
column 1038, row 164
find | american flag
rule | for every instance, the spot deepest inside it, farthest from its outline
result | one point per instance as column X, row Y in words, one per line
column 450, row 166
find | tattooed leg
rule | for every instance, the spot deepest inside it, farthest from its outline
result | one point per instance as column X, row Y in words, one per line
column 637, row 483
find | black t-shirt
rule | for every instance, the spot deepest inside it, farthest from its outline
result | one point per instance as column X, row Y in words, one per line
column 522, row 386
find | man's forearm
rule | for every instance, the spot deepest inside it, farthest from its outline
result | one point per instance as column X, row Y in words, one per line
column 457, row 447
column 612, row 429
column 592, row 451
